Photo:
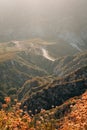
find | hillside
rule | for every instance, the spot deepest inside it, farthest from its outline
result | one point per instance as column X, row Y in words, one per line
column 43, row 65
column 42, row 81
column 16, row 67
column 68, row 64
column 71, row 115
column 23, row 62
column 77, row 118
column 57, row 92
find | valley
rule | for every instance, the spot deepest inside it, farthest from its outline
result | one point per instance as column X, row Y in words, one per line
column 36, row 74
column 43, row 65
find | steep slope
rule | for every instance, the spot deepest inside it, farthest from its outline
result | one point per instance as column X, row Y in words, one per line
column 22, row 64
column 15, row 70
column 67, row 64
column 63, row 48
column 31, row 87
column 77, row 118
column 58, row 91
column 71, row 115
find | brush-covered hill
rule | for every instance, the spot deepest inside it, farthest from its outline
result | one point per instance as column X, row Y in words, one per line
column 55, row 92
column 15, row 72
column 77, row 118
column 41, row 79
column 71, row 115
column 28, row 69
column 67, row 64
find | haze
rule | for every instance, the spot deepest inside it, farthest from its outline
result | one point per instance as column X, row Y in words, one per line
column 47, row 19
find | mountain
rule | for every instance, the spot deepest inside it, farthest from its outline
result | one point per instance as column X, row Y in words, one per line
column 67, row 64
column 43, row 65
column 55, row 92
column 43, row 78
column 49, row 49
column 16, row 67
column 37, row 62
column 77, row 115
column 69, row 115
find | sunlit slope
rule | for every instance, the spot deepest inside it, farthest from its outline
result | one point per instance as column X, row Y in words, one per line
column 71, row 115
column 77, row 118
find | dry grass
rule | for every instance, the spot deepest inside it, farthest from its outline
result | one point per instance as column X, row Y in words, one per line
column 7, row 56
column 14, row 118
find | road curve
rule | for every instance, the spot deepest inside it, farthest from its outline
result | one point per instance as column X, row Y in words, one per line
column 46, row 55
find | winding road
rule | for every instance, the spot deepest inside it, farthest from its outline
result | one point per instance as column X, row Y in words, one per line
column 46, row 55
column 44, row 51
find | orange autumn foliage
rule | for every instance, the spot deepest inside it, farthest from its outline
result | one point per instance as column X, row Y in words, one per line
column 77, row 119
